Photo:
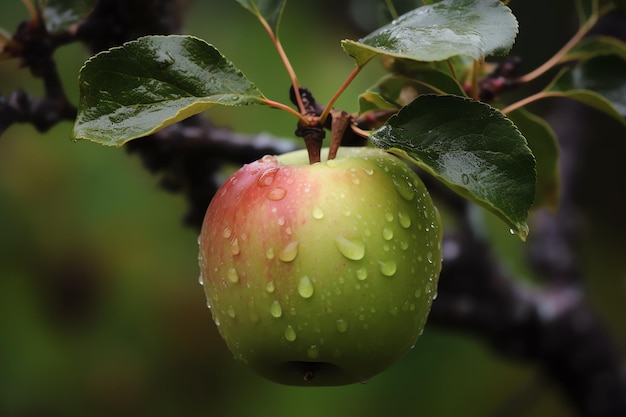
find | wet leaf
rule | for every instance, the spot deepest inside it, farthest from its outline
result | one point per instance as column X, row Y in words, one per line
column 470, row 147
column 599, row 82
column 59, row 15
column 545, row 147
column 474, row 28
column 269, row 10
column 155, row 81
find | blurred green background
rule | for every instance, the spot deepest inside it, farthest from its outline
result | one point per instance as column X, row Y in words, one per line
column 101, row 312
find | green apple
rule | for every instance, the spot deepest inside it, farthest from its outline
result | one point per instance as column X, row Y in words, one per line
column 321, row 274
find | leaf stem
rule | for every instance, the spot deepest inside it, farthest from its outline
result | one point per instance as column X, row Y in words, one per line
column 527, row 100
column 338, row 93
column 392, row 10
column 278, row 105
column 556, row 58
column 283, row 56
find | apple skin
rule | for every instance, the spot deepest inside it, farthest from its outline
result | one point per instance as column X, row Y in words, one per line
column 321, row 274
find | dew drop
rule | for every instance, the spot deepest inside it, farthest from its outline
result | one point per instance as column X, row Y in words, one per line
column 404, row 219
column 201, row 280
column 342, row 325
column 231, row 312
column 270, row 287
column 352, row 249
column 227, row 232
column 394, row 311
column 389, row 216
column 290, row 333
column 318, row 213
column 356, row 180
column 281, row 221
column 429, row 257
column 269, row 254
column 511, row 231
column 277, row 194
column 465, row 179
column 388, row 268
column 312, row 352
column 276, row 310
column 361, row 274
column 387, row 233
column 208, row 303
column 234, row 247
column 404, row 245
column 368, row 171
column 418, row 293
column 305, row 287
column 269, row 159
column 233, row 275
column 289, row 252
column 404, row 188
column 267, row 177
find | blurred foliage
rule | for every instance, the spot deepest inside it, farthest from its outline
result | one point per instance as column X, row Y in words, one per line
column 102, row 313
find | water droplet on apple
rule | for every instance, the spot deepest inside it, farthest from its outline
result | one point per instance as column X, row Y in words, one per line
column 389, row 216
column 318, row 213
column 368, row 171
column 394, row 310
column 234, row 247
column 429, row 257
column 404, row 219
column 208, row 303
column 355, row 180
column 361, row 274
column 332, row 163
column 231, row 311
column 277, row 194
column 418, row 293
column 290, row 333
column 342, row 325
column 403, row 187
column 276, row 310
column 289, row 252
column 404, row 245
column 281, row 221
column 267, row 177
column 201, row 280
column 312, row 352
column 387, row 268
column 269, row 159
column 353, row 249
column 233, row 275
column 387, row 233
column 305, row 287
column 270, row 287
column 227, row 232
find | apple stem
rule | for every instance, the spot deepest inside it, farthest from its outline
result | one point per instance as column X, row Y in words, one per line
column 313, row 136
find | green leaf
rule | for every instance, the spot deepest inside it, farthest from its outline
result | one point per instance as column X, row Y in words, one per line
column 594, row 46
column 59, row 15
column 545, row 147
column 599, row 82
column 472, row 148
column 269, row 10
column 395, row 91
column 436, row 32
column 152, row 82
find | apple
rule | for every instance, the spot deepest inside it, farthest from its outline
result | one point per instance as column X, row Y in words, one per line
column 321, row 274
